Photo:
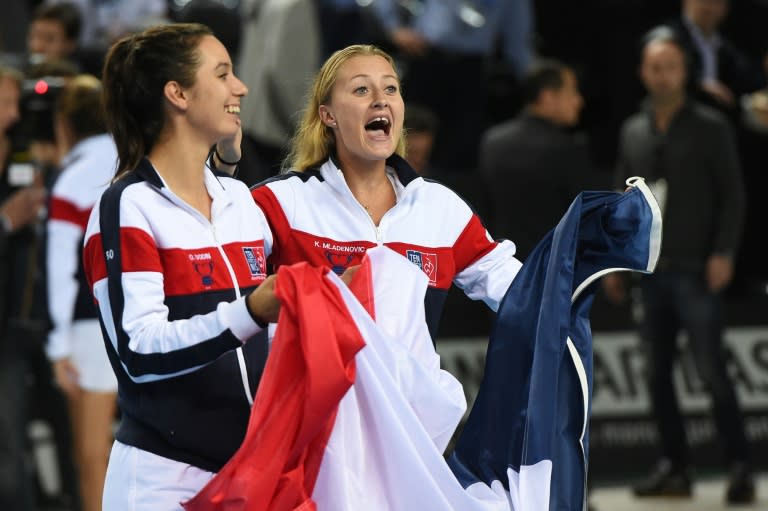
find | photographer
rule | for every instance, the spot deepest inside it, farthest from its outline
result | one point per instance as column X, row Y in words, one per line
column 18, row 209
column 32, row 164
column 35, row 138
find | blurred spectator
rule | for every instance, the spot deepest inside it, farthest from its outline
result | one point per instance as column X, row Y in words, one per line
column 420, row 128
column 534, row 165
column 53, row 32
column 342, row 23
column 75, row 344
column 105, row 21
column 277, row 67
column 223, row 17
column 445, row 47
column 720, row 72
column 688, row 154
column 19, row 206
column 755, row 106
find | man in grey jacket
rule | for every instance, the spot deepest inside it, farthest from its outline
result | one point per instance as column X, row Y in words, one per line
column 688, row 151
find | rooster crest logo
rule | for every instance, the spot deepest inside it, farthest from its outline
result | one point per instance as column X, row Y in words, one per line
column 427, row 263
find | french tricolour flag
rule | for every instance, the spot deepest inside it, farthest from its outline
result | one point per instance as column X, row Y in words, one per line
column 353, row 411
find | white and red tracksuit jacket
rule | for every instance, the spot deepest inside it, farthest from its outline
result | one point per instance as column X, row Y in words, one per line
column 315, row 218
column 86, row 172
column 170, row 288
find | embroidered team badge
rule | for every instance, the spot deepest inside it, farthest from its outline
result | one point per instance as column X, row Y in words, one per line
column 203, row 264
column 427, row 263
column 257, row 263
column 339, row 262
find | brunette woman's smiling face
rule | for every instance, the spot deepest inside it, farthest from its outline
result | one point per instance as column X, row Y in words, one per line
column 215, row 96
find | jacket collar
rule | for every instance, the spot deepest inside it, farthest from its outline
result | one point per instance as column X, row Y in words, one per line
column 147, row 172
column 402, row 169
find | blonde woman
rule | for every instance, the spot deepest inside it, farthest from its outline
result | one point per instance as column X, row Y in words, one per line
column 349, row 188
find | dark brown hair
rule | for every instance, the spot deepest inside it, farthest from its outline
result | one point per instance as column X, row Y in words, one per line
column 546, row 74
column 136, row 70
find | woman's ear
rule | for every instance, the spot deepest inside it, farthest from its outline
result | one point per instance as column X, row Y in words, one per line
column 175, row 95
column 326, row 116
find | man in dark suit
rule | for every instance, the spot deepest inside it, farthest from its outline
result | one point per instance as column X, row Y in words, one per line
column 533, row 165
column 720, row 72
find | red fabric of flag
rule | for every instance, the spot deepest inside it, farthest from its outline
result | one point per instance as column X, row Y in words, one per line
column 310, row 368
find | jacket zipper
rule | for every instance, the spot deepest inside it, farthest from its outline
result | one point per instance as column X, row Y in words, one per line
column 226, row 261
column 238, row 351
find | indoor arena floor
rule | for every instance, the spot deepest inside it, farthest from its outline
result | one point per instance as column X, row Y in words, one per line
column 708, row 496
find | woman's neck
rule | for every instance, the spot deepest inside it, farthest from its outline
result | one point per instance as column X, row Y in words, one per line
column 182, row 167
column 368, row 182
column 363, row 175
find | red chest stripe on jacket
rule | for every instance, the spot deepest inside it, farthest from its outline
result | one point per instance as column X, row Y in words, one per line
column 185, row 271
column 138, row 253
column 436, row 262
column 190, row 271
column 325, row 252
column 93, row 260
column 66, row 211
